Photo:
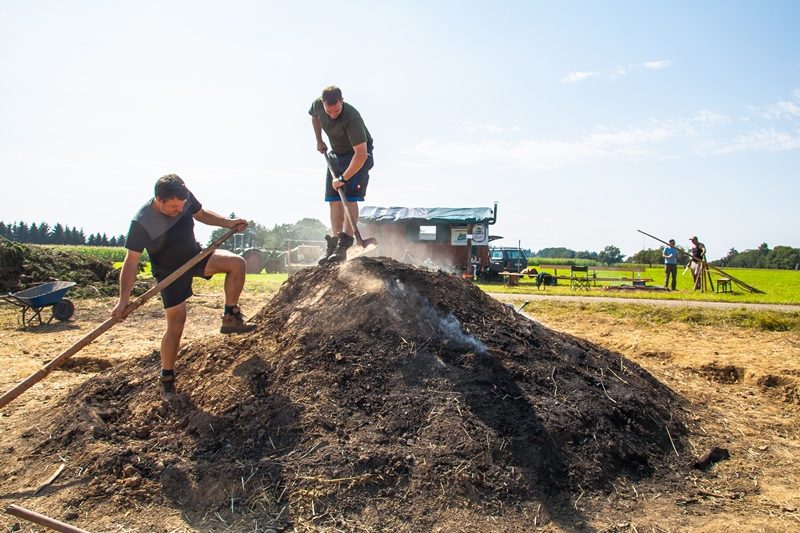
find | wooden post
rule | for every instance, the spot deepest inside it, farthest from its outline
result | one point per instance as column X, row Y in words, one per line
column 42, row 520
column 108, row 324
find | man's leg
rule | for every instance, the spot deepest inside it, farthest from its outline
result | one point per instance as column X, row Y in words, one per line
column 338, row 221
column 697, row 272
column 353, row 207
column 170, row 344
column 235, row 269
column 345, row 238
column 171, row 341
column 337, row 218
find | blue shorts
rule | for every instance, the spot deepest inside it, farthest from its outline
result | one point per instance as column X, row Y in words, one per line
column 355, row 189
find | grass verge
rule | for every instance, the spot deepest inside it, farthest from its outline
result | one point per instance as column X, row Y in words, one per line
column 660, row 315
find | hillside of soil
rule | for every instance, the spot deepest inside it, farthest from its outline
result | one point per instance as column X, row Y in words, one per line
column 373, row 396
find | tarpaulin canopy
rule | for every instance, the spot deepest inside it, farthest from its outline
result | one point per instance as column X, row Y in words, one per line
column 433, row 215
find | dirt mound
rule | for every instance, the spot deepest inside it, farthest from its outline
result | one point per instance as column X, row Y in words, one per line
column 372, row 396
column 23, row 266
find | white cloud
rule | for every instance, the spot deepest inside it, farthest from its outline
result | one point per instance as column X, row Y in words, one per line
column 578, row 76
column 613, row 73
column 763, row 140
column 655, row 65
column 603, row 144
column 616, row 74
column 709, row 118
column 489, row 128
column 703, row 134
column 782, row 109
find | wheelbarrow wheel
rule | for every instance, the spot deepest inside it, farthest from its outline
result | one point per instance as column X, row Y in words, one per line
column 63, row 310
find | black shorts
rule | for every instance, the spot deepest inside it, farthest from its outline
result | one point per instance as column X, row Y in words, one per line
column 355, row 189
column 180, row 290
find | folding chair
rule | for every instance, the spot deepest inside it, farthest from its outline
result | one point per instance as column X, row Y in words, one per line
column 579, row 279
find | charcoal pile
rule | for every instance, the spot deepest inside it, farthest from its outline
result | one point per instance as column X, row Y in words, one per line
column 373, row 396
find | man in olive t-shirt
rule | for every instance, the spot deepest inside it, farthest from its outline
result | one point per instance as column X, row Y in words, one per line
column 351, row 155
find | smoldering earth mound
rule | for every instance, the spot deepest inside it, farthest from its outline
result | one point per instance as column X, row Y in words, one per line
column 372, row 395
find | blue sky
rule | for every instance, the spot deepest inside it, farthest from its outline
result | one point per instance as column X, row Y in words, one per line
column 585, row 120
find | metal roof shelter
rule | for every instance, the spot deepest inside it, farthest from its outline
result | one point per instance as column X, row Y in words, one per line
column 434, row 215
column 449, row 238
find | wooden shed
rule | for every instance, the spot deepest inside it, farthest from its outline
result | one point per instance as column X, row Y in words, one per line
column 449, row 238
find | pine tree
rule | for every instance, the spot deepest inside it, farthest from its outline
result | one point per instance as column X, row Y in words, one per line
column 22, row 233
column 44, row 233
column 34, row 234
column 57, row 234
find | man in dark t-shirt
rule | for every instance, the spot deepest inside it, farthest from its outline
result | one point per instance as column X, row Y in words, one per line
column 351, row 155
column 164, row 227
column 698, row 262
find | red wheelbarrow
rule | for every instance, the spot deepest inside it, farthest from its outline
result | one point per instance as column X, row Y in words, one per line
column 38, row 298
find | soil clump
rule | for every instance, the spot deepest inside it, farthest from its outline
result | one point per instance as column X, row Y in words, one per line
column 373, row 396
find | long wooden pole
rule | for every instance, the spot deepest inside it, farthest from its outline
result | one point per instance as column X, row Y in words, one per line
column 42, row 520
column 740, row 283
column 108, row 324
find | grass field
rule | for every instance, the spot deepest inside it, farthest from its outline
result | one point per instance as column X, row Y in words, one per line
column 115, row 254
column 780, row 286
column 256, row 283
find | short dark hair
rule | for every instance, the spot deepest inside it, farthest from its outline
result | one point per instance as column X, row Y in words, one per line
column 332, row 95
column 171, row 186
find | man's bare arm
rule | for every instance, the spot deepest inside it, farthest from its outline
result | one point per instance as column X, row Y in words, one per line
column 317, row 125
column 127, row 277
column 210, row 218
column 359, row 158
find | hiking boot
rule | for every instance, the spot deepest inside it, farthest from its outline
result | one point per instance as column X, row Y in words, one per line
column 340, row 253
column 168, row 393
column 332, row 242
column 234, row 322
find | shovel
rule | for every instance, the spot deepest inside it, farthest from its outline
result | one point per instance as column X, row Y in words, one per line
column 361, row 246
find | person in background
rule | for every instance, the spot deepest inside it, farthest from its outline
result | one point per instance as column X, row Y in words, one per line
column 697, row 262
column 670, row 255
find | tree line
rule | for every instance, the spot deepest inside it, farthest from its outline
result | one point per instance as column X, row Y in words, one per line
column 780, row 257
column 309, row 229
column 43, row 233
column 259, row 236
column 610, row 255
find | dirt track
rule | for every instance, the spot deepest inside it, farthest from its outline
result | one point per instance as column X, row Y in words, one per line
column 740, row 387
